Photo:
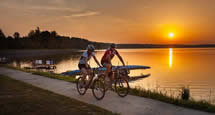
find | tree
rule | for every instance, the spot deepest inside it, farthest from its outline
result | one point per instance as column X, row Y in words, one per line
column 16, row 35
column 31, row 34
column 2, row 36
column 54, row 34
column 45, row 34
column 3, row 42
column 10, row 38
column 37, row 31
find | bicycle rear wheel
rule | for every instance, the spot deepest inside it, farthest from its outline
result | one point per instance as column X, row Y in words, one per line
column 122, row 87
column 80, row 85
column 98, row 89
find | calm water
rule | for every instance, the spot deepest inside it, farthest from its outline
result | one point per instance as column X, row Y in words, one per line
column 171, row 68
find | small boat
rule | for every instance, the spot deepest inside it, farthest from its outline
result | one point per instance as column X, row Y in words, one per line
column 134, row 78
column 129, row 67
column 38, row 64
column 3, row 60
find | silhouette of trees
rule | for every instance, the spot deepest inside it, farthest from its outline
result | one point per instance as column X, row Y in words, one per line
column 53, row 34
column 37, row 39
column 31, row 34
column 2, row 36
column 10, row 38
column 37, row 31
column 16, row 35
column 3, row 41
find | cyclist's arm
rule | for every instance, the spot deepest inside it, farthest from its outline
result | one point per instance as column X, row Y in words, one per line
column 94, row 57
column 120, row 58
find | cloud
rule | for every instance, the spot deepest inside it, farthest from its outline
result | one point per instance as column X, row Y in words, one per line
column 53, row 8
column 50, row 8
column 84, row 14
column 75, row 15
column 29, row 6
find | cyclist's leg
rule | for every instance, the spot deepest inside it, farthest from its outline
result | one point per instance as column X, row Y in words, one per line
column 84, row 74
column 108, row 72
column 83, row 69
column 89, row 73
column 104, row 64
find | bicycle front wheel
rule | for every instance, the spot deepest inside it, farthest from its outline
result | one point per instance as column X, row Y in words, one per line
column 98, row 89
column 122, row 87
column 80, row 85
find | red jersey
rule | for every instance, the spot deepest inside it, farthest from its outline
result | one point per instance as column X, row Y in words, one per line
column 109, row 53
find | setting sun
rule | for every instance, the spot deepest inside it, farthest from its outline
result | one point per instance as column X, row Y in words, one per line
column 171, row 35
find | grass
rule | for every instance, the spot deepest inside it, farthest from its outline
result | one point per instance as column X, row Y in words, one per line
column 20, row 98
column 16, row 68
column 199, row 105
column 192, row 104
column 46, row 74
column 56, row 76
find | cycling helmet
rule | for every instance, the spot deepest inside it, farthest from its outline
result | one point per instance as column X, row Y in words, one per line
column 113, row 45
column 91, row 48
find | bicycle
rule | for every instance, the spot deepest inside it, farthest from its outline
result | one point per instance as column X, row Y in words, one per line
column 98, row 87
column 120, row 81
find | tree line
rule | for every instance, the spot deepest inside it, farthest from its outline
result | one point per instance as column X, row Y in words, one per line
column 37, row 39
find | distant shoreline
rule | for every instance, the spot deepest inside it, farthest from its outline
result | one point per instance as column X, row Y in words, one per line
column 119, row 46
column 42, row 52
column 127, row 46
column 18, row 53
column 137, row 46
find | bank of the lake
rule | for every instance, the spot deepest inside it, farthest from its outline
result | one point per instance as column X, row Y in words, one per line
column 19, row 53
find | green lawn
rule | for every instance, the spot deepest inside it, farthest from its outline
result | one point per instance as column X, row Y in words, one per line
column 18, row 98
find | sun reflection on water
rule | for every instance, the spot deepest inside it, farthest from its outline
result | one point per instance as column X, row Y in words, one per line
column 170, row 57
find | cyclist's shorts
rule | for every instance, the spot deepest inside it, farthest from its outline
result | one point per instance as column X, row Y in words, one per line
column 80, row 66
column 104, row 63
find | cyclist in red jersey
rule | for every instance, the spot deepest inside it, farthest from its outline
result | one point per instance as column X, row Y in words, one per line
column 106, row 60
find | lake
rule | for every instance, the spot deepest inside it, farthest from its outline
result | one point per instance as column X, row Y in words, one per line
column 171, row 68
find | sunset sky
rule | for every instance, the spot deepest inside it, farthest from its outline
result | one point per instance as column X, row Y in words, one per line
column 120, row 21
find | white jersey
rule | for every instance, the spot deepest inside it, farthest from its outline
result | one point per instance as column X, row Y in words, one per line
column 84, row 56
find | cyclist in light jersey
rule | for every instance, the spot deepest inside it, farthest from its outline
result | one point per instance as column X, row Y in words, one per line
column 83, row 63
column 106, row 60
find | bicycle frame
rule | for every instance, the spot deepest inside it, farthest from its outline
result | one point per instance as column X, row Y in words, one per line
column 120, row 72
column 93, row 77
